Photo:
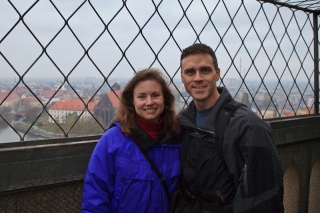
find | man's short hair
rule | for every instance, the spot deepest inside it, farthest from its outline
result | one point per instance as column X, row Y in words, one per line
column 199, row 48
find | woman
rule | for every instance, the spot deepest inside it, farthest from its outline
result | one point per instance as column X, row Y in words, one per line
column 119, row 178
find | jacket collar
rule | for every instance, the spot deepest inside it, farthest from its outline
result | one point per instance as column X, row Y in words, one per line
column 143, row 140
column 188, row 115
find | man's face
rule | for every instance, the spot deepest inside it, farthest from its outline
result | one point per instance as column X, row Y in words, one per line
column 199, row 78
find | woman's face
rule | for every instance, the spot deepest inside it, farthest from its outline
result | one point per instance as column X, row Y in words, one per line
column 148, row 100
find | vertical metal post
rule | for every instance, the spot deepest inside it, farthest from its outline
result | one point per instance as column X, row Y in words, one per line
column 316, row 63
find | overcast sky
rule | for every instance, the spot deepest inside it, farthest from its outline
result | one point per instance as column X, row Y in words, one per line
column 31, row 55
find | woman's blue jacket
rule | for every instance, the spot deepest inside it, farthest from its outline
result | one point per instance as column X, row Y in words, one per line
column 120, row 179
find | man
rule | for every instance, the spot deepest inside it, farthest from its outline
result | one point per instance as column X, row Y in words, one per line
column 238, row 171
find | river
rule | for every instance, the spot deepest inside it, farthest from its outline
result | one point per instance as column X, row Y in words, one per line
column 8, row 135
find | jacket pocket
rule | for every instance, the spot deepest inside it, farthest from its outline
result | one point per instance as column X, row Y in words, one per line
column 244, row 182
column 136, row 169
column 131, row 177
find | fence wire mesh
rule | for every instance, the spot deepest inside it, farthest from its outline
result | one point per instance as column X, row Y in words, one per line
column 63, row 63
column 58, row 198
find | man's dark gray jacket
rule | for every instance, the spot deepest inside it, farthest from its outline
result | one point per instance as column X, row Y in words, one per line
column 244, row 176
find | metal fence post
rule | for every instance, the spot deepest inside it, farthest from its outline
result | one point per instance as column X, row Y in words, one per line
column 316, row 63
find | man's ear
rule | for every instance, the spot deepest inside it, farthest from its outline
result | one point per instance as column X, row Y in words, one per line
column 217, row 74
column 182, row 79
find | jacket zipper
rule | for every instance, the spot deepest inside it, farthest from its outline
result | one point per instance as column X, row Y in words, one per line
column 213, row 134
column 245, row 180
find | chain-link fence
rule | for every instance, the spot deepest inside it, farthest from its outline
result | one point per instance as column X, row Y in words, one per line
column 58, row 198
column 63, row 63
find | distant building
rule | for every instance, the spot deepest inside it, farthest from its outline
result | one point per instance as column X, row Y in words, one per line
column 58, row 84
column 105, row 110
column 9, row 100
column 267, row 114
column 62, row 109
column 22, row 91
column 115, row 87
column 53, row 95
column 31, row 101
column 310, row 102
column 287, row 113
column 245, row 99
column 231, row 82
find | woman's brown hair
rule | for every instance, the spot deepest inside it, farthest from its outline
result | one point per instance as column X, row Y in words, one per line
column 126, row 111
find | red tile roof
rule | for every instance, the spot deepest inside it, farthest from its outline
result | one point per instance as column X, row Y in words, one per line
column 114, row 99
column 12, row 96
column 30, row 99
column 21, row 90
column 49, row 93
column 287, row 113
column 73, row 105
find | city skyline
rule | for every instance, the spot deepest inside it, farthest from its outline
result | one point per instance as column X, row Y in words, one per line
column 297, row 104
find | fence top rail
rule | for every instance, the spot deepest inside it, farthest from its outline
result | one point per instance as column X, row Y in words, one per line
column 305, row 5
